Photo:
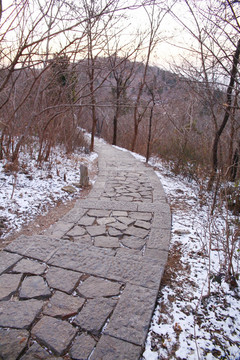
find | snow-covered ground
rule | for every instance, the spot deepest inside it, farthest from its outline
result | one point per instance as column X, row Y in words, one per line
column 35, row 188
column 198, row 312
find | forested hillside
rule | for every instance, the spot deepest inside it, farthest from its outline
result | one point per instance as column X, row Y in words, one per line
column 67, row 66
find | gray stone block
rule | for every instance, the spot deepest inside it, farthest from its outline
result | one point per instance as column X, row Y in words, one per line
column 159, row 239
column 74, row 215
column 99, row 213
column 7, row 260
column 96, row 230
column 94, row 314
column 63, row 305
column 162, row 221
column 114, row 232
column 82, row 347
column 147, row 273
column 160, row 255
column 59, row 229
column 27, row 266
column 61, row 279
column 12, row 343
column 106, row 241
column 137, row 232
column 54, row 333
column 133, row 242
column 34, row 287
column 145, row 216
column 110, row 348
column 36, row 352
column 76, row 231
column 19, row 314
column 131, row 318
column 143, row 224
column 86, row 221
column 106, row 220
column 8, row 285
column 38, row 247
column 97, row 287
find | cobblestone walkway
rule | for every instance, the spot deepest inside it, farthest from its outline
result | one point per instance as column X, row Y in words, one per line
column 87, row 288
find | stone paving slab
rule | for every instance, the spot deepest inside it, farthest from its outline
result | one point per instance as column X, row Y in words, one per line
column 130, row 320
column 12, row 343
column 54, row 333
column 110, row 348
column 8, row 285
column 19, row 314
column 7, row 260
column 87, row 288
column 37, row 352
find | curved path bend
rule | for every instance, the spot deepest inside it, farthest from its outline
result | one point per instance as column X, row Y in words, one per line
column 87, row 288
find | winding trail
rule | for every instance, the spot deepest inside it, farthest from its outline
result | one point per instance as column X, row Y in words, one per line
column 87, row 288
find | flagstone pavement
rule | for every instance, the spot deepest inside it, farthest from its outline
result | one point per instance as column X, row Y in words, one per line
column 87, row 288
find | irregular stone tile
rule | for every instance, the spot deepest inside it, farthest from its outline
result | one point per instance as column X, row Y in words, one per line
column 54, row 333
column 106, row 220
column 82, row 347
column 76, row 231
column 126, row 220
column 61, row 279
column 142, row 224
column 133, row 242
column 119, row 213
column 7, row 260
column 63, row 305
column 84, row 241
column 97, row 287
column 132, row 316
column 36, row 352
column 96, row 230
column 19, row 314
column 109, row 348
column 12, row 343
column 106, row 241
column 34, row 287
column 141, row 216
column 8, row 285
column 137, row 232
column 114, row 232
column 119, row 226
column 135, row 195
column 99, row 213
column 27, row 266
column 94, row 314
column 86, row 221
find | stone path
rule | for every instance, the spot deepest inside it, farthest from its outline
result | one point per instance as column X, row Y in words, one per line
column 87, row 288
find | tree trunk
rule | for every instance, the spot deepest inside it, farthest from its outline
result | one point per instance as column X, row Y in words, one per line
column 149, row 135
column 226, row 116
column 114, row 142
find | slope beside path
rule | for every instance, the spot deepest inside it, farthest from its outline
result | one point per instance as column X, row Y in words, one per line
column 87, row 288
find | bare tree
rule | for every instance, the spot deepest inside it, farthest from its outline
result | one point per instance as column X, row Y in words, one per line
column 155, row 15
